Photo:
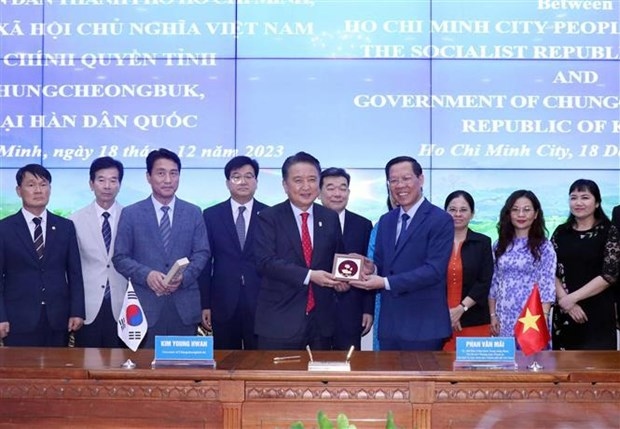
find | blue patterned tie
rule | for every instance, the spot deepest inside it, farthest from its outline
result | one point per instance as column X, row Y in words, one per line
column 38, row 237
column 164, row 228
column 403, row 228
column 240, row 226
column 106, row 231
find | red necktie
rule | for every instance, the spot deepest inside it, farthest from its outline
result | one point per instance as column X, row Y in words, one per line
column 306, row 245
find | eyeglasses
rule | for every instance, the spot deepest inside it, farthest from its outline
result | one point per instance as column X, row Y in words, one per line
column 519, row 210
column 407, row 180
column 237, row 179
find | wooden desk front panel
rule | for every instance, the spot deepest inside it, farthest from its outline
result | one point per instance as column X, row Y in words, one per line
column 277, row 404
column 526, row 405
column 117, row 403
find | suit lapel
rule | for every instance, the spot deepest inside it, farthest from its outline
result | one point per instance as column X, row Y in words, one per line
column 320, row 232
column 22, row 231
column 292, row 231
column 256, row 208
column 418, row 219
column 94, row 229
column 150, row 217
column 51, row 237
column 229, row 220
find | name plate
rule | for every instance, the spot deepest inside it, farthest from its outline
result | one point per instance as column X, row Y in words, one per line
column 329, row 366
column 183, row 351
column 485, row 353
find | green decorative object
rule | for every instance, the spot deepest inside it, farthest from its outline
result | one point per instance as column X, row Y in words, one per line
column 342, row 422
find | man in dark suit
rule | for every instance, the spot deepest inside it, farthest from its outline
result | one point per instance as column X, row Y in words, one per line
column 355, row 307
column 295, row 245
column 412, row 251
column 152, row 235
column 229, row 283
column 41, row 288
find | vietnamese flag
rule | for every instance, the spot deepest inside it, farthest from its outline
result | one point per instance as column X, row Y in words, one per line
column 531, row 328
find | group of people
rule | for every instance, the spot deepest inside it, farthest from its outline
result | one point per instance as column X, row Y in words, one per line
column 576, row 270
column 260, row 277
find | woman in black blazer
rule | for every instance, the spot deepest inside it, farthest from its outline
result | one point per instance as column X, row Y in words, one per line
column 469, row 273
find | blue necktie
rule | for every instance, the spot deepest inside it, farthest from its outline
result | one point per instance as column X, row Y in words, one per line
column 106, row 231
column 240, row 226
column 403, row 228
column 164, row 228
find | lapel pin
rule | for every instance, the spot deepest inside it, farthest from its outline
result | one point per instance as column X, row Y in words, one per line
column 53, row 228
column 320, row 224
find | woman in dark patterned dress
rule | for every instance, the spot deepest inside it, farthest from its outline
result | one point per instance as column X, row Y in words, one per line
column 588, row 250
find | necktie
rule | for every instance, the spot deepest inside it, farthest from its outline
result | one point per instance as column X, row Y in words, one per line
column 164, row 228
column 38, row 237
column 403, row 228
column 106, row 231
column 306, row 245
column 240, row 226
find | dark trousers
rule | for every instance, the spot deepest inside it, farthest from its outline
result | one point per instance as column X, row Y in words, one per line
column 435, row 344
column 42, row 336
column 169, row 323
column 309, row 335
column 101, row 332
column 236, row 333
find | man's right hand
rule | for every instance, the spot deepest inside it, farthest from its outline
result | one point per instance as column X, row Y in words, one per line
column 155, row 281
column 206, row 319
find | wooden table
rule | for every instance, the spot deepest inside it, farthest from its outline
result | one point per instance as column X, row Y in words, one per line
column 88, row 388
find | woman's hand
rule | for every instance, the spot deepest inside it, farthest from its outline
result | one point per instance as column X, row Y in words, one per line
column 495, row 326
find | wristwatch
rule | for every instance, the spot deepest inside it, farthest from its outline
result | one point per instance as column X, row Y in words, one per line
column 465, row 308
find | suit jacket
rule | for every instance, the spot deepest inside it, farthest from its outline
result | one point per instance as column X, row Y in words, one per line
column 416, row 307
column 139, row 249
column 26, row 281
column 477, row 261
column 281, row 306
column 615, row 216
column 230, row 271
column 97, row 267
column 355, row 302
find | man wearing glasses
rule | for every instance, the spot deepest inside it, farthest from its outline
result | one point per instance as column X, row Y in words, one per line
column 229, row 283
column 412, row 250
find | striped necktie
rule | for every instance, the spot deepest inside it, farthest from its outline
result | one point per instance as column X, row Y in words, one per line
column 106, row 231
column 164, row 228
column 38, row 237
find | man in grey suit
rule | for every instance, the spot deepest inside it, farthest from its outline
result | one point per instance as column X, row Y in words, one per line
column 152, row 235
column 96, row 226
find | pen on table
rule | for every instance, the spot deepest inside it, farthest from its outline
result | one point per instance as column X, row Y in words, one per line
column 350, row 354
column 285, row 358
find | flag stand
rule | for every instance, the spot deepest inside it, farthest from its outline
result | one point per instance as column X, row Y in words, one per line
column 128, row 364
column 535, row 366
